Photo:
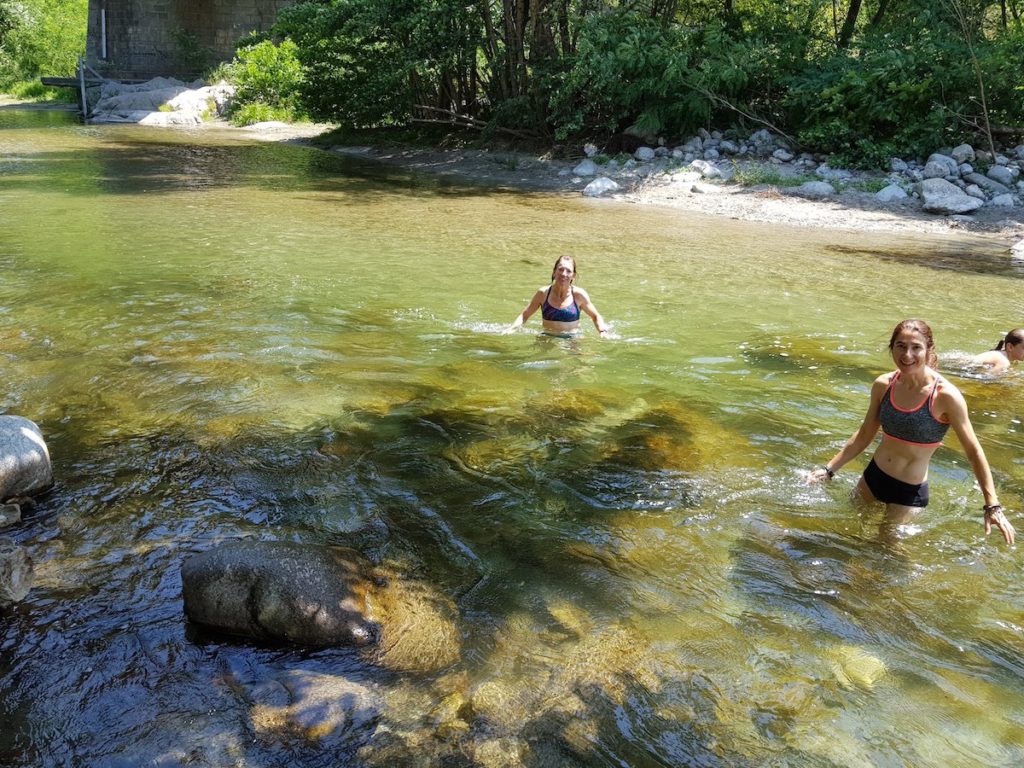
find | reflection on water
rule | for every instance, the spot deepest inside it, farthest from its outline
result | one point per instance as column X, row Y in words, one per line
column 224, row 339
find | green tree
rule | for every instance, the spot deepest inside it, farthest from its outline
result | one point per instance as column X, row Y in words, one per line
column 40, row 37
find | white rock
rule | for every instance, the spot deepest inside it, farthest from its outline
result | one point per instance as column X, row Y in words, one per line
column 24, row 459
column 1017, row 250
column 706, row 169
column 600, row 186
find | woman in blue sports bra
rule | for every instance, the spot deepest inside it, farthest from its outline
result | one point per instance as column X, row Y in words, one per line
column 914, row 407
column 561, row 303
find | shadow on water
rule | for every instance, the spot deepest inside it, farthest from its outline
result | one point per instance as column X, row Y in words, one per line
column 151, row 166
column 984, row 259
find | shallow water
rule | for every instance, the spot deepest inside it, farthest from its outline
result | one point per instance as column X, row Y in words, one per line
column 222, row 338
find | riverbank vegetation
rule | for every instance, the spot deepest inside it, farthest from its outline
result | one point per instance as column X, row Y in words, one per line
column 40, row 37
column 863, row 80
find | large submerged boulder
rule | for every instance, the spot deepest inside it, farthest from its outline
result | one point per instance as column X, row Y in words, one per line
column 280, row 590
column 24, row 459
column 317, row 595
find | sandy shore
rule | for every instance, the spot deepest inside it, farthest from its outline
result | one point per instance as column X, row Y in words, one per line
column 851, row 210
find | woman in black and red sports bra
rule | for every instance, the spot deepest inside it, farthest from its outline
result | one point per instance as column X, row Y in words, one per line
column 561, row 302
column 914, row 406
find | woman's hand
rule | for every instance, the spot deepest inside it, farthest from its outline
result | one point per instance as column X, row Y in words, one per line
column 994, row 516
column 819, row 475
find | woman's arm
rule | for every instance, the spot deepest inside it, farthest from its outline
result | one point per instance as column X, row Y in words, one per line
column 533, row 306
column 951, row 404
column 860, row 439
column 583, row 299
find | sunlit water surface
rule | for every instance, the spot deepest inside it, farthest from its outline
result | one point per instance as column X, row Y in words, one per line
column 221, row 338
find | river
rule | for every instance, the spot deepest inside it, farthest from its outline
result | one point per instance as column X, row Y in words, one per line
column 223, row 338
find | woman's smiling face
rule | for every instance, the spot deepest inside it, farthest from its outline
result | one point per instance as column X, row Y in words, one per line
column 910, row 350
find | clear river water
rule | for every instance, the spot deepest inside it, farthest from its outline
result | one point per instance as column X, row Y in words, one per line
column 223, row 338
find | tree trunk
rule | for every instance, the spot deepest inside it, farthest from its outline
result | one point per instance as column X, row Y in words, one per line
column 846, row 33
column 883, row 6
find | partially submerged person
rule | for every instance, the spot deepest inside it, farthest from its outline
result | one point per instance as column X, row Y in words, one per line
column 1007, row 352
column 914, row 406
column 561, row 303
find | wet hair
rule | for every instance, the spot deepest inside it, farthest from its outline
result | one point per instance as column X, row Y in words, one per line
column 1015, row 337
column 558, row 261
column 918, row 326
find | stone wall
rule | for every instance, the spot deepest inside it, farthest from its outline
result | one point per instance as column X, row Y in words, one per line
column 178, row 38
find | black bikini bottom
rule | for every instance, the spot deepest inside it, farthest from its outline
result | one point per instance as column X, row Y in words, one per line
column 893, row 491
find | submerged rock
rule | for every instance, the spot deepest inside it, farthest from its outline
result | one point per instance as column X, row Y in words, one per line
column 280, row 590
column 855, row 667
column 24, row 459
column 16, row 573
column 319, row 595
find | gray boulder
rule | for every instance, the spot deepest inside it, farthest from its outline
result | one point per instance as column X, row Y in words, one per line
column 936, row 170
column 15, row 572
column 891, row 193
column 952, row 166
column 280, row 590
column 814, row 190
column 644, row 154
column 824, row 171
column 1003, row 201
column 963, row 154
column 586, row 167
column 24, row 459
column 985, row 182
column 939, row 196
column 1001, row 174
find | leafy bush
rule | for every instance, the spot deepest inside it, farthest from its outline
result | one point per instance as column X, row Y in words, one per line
column 268, row 74
column 40, row 37
column 257, row 112
column 628, row 70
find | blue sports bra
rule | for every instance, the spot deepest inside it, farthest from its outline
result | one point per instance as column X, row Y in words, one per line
column 917, row 426
column 570, row 314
